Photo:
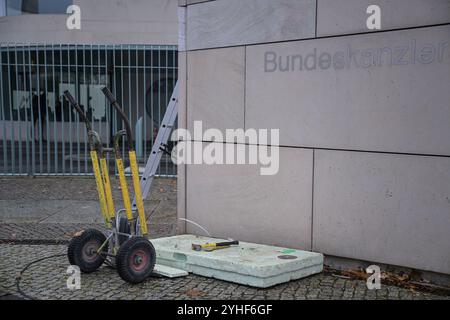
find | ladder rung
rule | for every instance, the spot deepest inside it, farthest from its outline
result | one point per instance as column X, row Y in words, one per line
column 162, row 138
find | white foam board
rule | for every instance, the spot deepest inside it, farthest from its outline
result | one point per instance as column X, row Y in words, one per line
column 248, row 263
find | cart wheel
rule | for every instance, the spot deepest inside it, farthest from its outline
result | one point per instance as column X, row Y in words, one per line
column 124, row 227
column 136, row 259
column 82, row 250
column 71, row 250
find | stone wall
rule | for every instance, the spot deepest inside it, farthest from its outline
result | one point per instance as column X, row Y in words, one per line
column 364, row 119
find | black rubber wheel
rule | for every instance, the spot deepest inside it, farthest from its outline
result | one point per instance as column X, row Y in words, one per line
column 136, row 259
column 124, row 227
column 71, row 250
column 83, row 249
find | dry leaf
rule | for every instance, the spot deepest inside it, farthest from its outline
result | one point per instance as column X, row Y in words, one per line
column 194, row 293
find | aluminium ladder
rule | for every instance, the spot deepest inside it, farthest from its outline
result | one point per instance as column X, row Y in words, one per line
column 159, row 146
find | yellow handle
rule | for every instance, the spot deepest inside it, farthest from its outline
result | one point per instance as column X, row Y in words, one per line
column 137, row 191
column 100, row 189
column 124, row 187
column 107, row 184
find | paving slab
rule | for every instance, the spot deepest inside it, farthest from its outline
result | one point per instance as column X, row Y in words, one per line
column 247, row 263
column 169, row 272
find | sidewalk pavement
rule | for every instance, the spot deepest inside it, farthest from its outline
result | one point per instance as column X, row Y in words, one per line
column 50, row 210
column 39, row 215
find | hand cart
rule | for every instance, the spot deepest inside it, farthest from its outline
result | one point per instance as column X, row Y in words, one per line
column 126, row 246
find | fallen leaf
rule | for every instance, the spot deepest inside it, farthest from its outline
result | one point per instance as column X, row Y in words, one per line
column 194, row 293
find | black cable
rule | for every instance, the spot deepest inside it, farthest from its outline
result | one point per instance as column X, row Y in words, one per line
column 19, row 276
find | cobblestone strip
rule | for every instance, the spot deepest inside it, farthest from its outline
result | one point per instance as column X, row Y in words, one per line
column 47, row 280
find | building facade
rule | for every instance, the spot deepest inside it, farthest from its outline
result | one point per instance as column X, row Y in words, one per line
column 364, row 169
column 129, row 46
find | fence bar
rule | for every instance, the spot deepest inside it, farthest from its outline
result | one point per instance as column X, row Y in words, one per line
column 55, row 99
column 77, row 119
column 98, row 82
column 63, row 111
column 152, row 114
column 5, row 146
column 69, row 73
column 114, row 88
column 88, row 88
column 144, row 62
column 138, row 143
column 159, row 93
column 16, row 76
column 122, row 98
column 166, row 100
column 11, row 115
column 27, row 146
column 84, row 131
column 47, row 115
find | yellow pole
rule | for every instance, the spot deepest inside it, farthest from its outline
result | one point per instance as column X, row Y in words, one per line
column 124, row 187
column 107, row 184
column 137, row 191
column 100, row 189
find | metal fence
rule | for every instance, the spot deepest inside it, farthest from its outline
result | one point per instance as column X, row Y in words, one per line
column 40, row 134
